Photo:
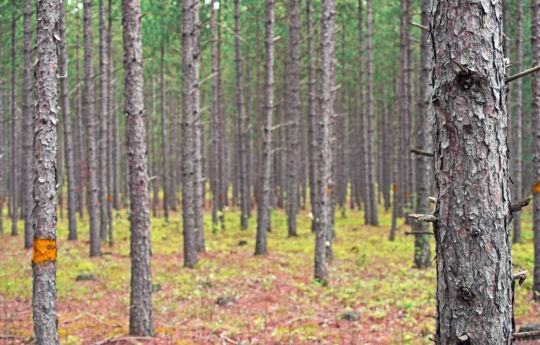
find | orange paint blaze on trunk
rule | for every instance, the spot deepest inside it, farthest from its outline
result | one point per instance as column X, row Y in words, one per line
column 44, row 250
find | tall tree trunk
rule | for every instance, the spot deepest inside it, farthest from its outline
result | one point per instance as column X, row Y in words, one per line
column 44, row 170
column 14, row 139
column 173, row 144
column 27, row 127
column 68, row 139
column 81, row 166
column 312, row 121
column 190, row 127
column 110, row 116
column 263, row 208
column 243, row 182
column 422, row 251
column 325, row 124
column 154, row 150
column 215, row 142
column 199, row 186
column 535, row 112
column 140, row 315
column 474, row 263
column 116, row 148
column 164, row 151
column 518, row 119
column 373, row 217
column 293, row 113
column 101, row 139
column 89, row 99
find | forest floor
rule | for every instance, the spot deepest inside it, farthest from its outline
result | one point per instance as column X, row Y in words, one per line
column 274, row 299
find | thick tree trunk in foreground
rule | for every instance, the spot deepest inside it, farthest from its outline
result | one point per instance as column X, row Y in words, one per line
column 325, row 124
column 474, row 263
column 535, row 112
column 45, row 167
column 422, row 253
column 27, row 127
column 293, row 114
column 263, row 207
column 191, row 153
column 89, row 99
column 140, row 311
column 68, row 142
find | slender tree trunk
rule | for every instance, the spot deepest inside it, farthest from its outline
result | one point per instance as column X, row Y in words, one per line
column 199, row 186
column 14, row 142
column 263, row 209
column 215, row 142
column 190, row 128
column 116, row 148
column 164, row 151
column 312, row 122
column 27, row 127
column 173, row 153
column 110, row 141
column 422, row 251
column 243, row 182
column 373, row 217
column 293, row 113
column 535, row 112
column 80, row 134
column 474, row 263
column 518, row 119
column 89, row 99
column 154, row 154
column 101, row 138
column 45, row 166
column 68, row 139
column 326, row 105
column 140, row 316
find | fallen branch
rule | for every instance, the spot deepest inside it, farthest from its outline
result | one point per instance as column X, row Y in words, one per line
column 422, row 153
column 418, row 233
column 524, row 335
column 522, row 74
column 519, row 205
column 428, row 218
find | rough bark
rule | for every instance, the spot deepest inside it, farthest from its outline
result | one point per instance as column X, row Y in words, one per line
column 474, row 264
column 110, row 116
column 371, row 166
column 44, row 170
column 535, row 112
column 68, row 138
column 116, row 149
column 325, row 124
column 215, row 143
column 80, row 133
column 293, row 109
column 2, row 150
column 190, row 127
column 518, row 123
column 263, row 208
column 422, row 251
column 140, row 316
column 27, row 128
column 173, row 153
column 154, row 150
column 89, row 99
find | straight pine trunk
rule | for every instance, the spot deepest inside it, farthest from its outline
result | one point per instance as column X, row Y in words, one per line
column 535, row 112
column 293, row 110
column 164, row 151
column 103, row 119
column 89, row 100
column 190, row 127
column 44, row 170
column 474, row 263
column 68, row 139
column 2, row 151
column 215, row 143
column 14, row 170
column 325, row 125
column 263, row 208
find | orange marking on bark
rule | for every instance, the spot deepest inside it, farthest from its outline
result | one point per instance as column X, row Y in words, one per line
column 395, row 188
column 329, row 191
column 165, row 195
column 44, row 250
column 109, row 198
column 536, row 187
column 406, row 195
column 221, row 197
column 1, row 201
